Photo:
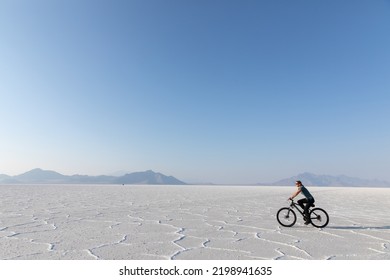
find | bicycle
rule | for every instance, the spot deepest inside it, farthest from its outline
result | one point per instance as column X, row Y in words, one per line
column 286, row 215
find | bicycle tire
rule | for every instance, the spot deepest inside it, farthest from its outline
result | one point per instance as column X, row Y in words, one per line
column 286, row 217
column 319, row 218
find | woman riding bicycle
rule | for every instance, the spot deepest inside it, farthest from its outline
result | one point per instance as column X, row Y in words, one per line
column 306, row 202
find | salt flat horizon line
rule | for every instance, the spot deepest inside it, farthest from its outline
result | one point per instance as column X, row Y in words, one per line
column 310, row 178
column 146, row 170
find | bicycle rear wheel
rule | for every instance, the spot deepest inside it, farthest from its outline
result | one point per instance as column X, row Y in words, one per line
column 319, row 218
column 286, row 217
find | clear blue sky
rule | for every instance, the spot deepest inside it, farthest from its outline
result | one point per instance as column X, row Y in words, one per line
column 207, row 91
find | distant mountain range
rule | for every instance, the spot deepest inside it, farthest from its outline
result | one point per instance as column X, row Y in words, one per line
column 39, row 176
column 311, row 179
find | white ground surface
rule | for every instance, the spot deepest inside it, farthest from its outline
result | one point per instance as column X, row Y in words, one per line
column 187, row 222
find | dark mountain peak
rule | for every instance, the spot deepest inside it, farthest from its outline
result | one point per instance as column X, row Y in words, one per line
column 38, row 171
column 147, row 172
column 38, row 174
column 148, row 177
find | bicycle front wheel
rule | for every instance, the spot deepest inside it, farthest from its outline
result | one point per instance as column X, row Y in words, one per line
column 286, row 217
column 319, row 218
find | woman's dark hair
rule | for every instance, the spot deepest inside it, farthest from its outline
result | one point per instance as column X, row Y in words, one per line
column 299, row 182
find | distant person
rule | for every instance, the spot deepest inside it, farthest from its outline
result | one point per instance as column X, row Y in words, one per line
column 306, row 202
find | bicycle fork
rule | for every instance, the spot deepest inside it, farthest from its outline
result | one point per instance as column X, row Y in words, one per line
column 290, row 209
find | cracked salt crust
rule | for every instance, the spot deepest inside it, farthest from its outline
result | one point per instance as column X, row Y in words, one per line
column 187, row 222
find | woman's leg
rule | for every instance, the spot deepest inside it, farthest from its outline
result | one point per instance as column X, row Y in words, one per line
column 302, row 202
column 309, row 203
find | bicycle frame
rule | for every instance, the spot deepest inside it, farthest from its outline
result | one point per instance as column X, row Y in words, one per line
column 295, row 205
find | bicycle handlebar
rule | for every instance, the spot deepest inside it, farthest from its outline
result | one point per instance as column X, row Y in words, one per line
column 292, row 202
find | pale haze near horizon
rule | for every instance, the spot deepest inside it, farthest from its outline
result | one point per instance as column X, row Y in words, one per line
column 206, row 91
